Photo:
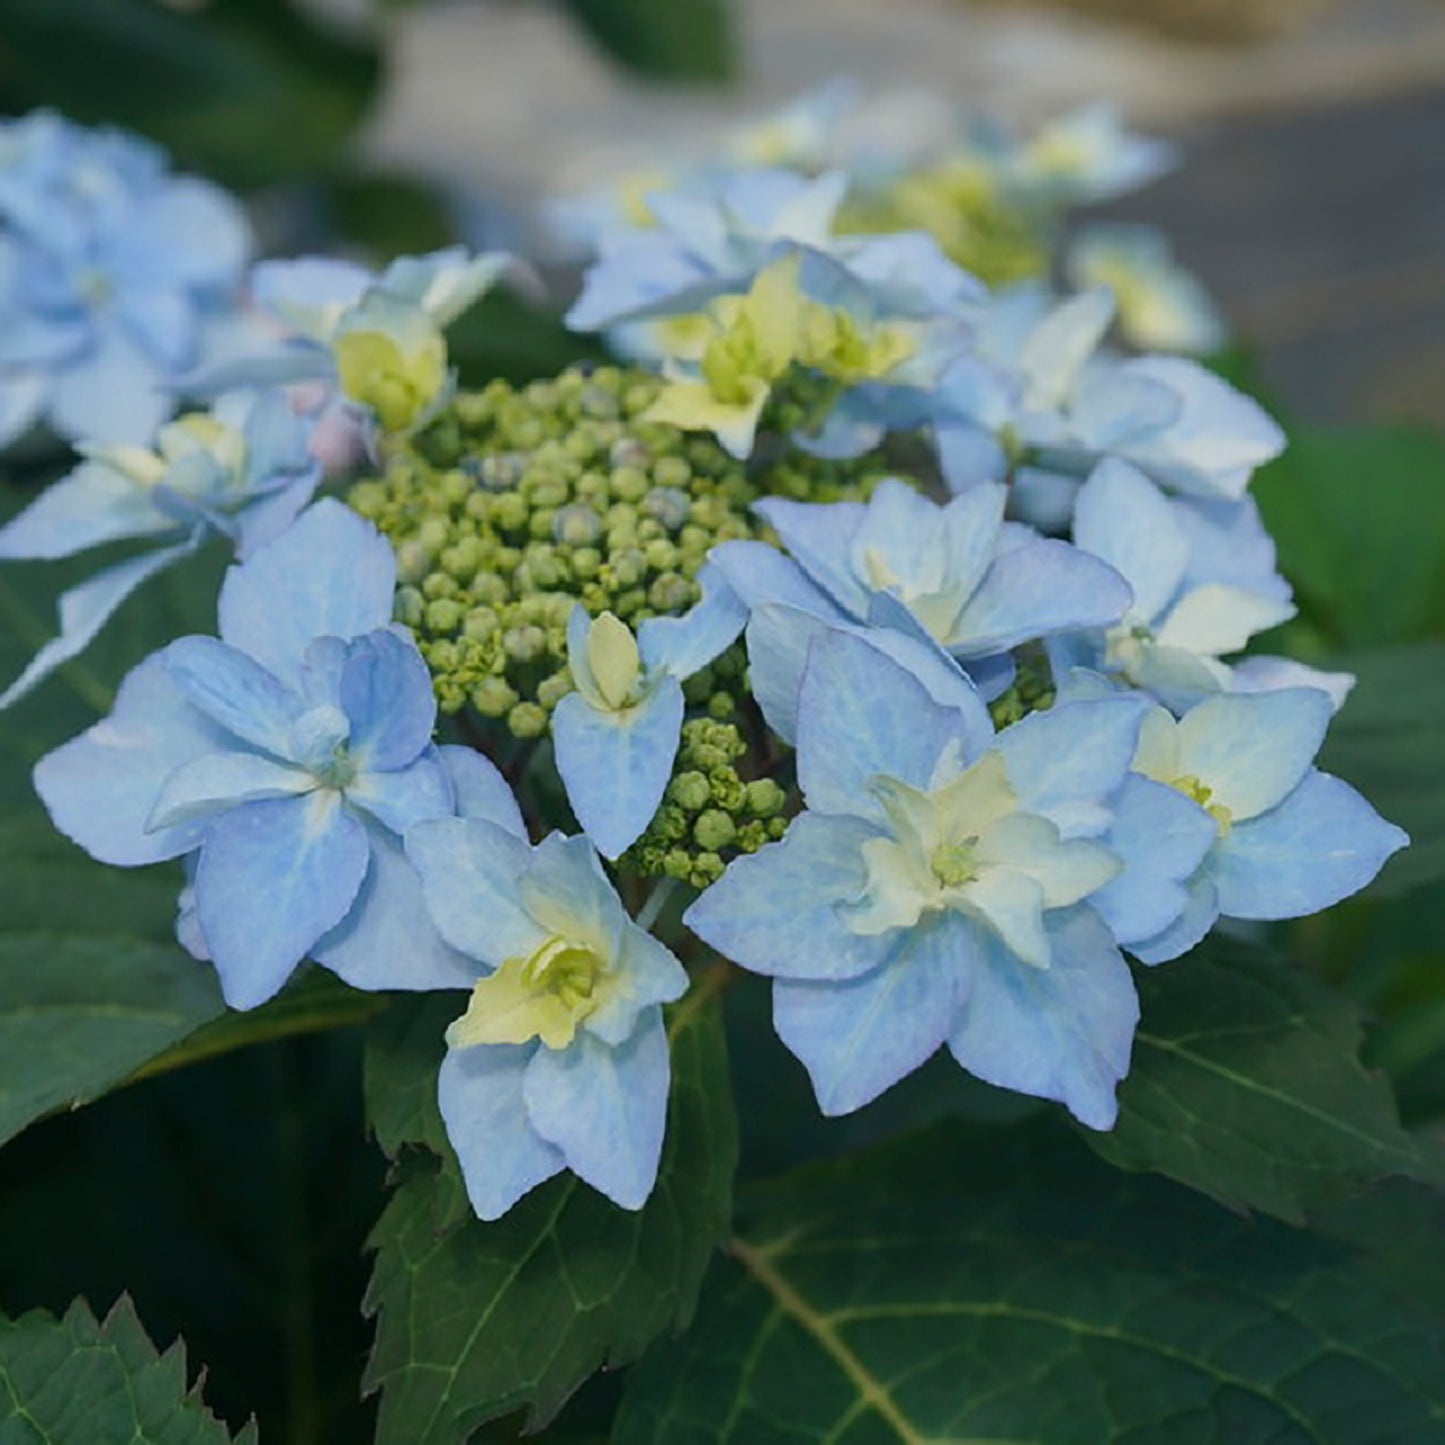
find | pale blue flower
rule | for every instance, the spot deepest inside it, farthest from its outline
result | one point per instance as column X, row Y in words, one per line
column 1037, row 399
column 1288, row 839
column 1161, row 306
column 288, row 757
column 1087, row 156
column 714, row 237
column 242, row 470
column 957, row 575
column 114, row 276
column 560, row 1060
column 616, row 736
column 1182, row 623
column 936, row 891
column 374, row 342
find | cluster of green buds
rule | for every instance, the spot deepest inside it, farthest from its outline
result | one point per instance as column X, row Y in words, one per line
column 711, row 813
column 1032, row 689
column 515, row 504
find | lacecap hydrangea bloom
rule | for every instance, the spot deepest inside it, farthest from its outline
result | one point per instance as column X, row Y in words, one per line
column 117, row 279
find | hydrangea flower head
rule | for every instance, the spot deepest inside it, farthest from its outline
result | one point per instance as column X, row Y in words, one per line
column 1087, row 155
column 114, row 276
column 288, row 756
column 936, row 891
column 560, row 1060
column 242, row 470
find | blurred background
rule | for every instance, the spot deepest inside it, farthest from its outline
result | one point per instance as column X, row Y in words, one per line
column 1312, row 200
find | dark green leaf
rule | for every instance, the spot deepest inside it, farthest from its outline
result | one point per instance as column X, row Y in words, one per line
column 1389, row 741
column 505, row 336
column 663, row 39
column 971, row 1285
column 81, row 1013
column 244, row 90
column 72, row 1380
column 404, row 1048
column 1246, row 1084
column 1361, row 531
column 483, row 1319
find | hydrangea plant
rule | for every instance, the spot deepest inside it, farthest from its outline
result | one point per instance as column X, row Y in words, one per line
column 865, row 625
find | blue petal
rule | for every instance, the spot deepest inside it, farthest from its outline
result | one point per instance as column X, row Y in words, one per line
column 406, row 796
column 93, row 504
column 216, row 782
column 1321, row 844
column 386, row 692
column 1068, row 762
column 331, row 574
column 387, row 940
column 469, row 871
column 100, row 787
column 273, row 878
column 616, row 765
column 861, row 716
column 1201, row 910
column 1041, row 587
column 481, row 791
column 778, row 642
column 232, row 690
column 775, row 911
column 23, row 395
column 605, row 1108
column 650, row 975
column 116, row 394
column 859, row 1037
column 482, row 1104
column 266, row 518
column 685, row 645
column 1163, row 837
column 565, row 890
column 86, row 608
column 820, row 537
column 1121, row 516
column 1252, row 749
column 759, row 574
column 1062, row 1032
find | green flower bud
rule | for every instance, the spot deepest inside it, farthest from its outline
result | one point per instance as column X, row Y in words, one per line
column 765, row 798
column 690, row 790
column 527, row 720
column 494, row 697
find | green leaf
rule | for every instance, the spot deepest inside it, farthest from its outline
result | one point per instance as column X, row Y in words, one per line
column 79, row 1014
column 663, row 39
column 1357, row 519
column 72, row 1379
column 246, row 91
column 998, row 1286
column 1246, row 1084
column 482, row 1319
column 404, row 1048
column 506, row 336
column 1389, row 740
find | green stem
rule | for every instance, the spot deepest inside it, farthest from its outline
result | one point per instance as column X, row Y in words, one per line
column 656, row 901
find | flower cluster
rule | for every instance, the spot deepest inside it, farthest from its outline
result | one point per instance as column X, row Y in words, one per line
column 888, row 621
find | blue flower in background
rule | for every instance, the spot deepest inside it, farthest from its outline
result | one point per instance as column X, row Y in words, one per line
column 373, row 341
column 1160, row 305
column 1087, row 156
column 242, row 470
column 956, row 576
column 288, row 757
column 1288, row 840
column 937, row 891
column 616, row 736
column 561, row 1060
column 116, row 279
column 1037, row 399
